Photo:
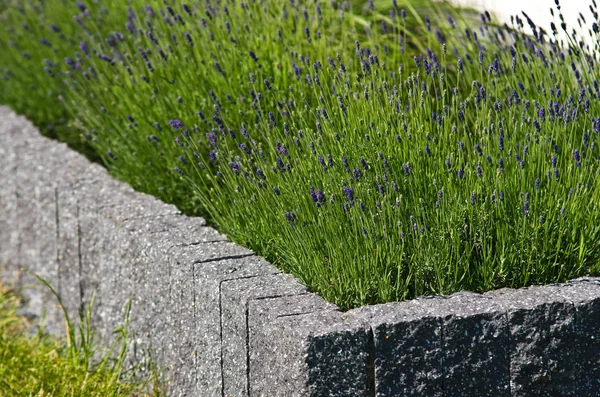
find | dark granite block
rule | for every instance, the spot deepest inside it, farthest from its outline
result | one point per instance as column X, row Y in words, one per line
column 540, row 330
column 474, row 343
column 408, row 348
column 581, row 366
column 308, row 352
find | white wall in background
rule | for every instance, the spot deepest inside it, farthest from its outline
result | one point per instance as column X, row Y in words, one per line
column 538, row 11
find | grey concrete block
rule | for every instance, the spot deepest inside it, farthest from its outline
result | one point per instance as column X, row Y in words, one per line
column 408, row 356
column 68, row 252
column 36, row 228
column 195, row 337
column 9, row 236
column 540, row 328
column 311, row 350
column 208, row 278
column 262, row 369
column 234, row 316
column 474, row 344
column 581, row 365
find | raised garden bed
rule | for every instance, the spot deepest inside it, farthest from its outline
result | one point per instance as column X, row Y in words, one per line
column 228, row 323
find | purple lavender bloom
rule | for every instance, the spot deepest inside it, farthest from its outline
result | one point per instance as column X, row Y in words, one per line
column 406, row 169
column 280, row 164
column 320, row 196
column 364, row 163
column 291, row 218
column 276, row 190
column 178, row 170
column 210, row 137
column 329, row 160
column 307, row 33
column 479, row 171
column 83, row 47
column 71, row 63
column 349, row 194
column 345, row 162
column 577, row 157
column 460, row 173
column 473, row 199
column 244, row 148
column 478, row 149
column 440, row 37
column 501, row 163
column 322, row 162
column 542, row 114
column 448, row 165
column 260, row 174
column 177, row 124
column 81, row 6
column 526, row 205
column 235, row 166
column 188, row 37
column 111, row 155
column 282, row 150
column 537, row 184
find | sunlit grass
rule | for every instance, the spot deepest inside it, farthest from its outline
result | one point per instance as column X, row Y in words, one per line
column 40, row 364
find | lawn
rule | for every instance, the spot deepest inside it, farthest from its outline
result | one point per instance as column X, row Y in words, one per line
column 377, row 151
column 34, row 363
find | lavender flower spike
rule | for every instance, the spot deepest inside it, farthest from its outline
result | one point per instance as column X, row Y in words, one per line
column 177, row 124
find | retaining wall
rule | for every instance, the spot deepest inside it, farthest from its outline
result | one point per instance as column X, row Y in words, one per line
column 227, row 323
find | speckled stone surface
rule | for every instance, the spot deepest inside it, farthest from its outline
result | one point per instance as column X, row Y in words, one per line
column 302, row 346
column 223, row 322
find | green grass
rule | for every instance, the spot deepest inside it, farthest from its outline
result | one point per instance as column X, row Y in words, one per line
column 382, row 180
column 44, row 365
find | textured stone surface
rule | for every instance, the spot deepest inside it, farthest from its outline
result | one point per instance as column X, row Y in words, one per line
column 8, row 194
column 235, row 295
column 408, row 348
column 301, row 346
column 474, row 337
column 209, row 278
column 585, row 296
column 540, row 345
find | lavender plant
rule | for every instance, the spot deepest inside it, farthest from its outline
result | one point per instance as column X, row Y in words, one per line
column 318, row 138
